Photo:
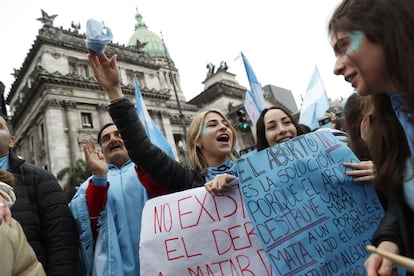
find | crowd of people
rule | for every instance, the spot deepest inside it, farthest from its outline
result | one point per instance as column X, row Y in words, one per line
column 97, row 233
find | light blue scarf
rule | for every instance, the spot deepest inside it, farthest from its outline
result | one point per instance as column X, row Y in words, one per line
column 228, row 167
column 405, row 116
column 409, row 183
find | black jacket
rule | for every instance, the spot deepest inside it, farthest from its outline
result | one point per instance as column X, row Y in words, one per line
column 41, row 208
column 167, row 172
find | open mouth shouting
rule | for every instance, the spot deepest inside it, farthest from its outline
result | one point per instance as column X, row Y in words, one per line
column 223, row 138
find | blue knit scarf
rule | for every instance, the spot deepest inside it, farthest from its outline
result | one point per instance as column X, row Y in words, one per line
column 228, row 167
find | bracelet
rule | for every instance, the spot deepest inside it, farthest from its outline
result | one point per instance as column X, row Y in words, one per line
column 116, row 100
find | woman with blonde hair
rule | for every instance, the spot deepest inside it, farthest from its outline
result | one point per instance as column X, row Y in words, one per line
column 211, row 140
column 198, row 156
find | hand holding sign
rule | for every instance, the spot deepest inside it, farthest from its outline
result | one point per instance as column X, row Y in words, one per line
column 312, row 219
column 405, row 262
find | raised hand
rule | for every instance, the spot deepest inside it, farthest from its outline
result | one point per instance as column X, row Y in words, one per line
column 106, row 73
column 96, row 161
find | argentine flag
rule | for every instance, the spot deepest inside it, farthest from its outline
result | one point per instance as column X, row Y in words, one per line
column 153, row 132
column 315, row 103
column 254, row 102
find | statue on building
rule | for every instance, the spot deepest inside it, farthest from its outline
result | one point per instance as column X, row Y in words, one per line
column 76, row 26
column 223, row 66
column 47, row 19
column 211, row 67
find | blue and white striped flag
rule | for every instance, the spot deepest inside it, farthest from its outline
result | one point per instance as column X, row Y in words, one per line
column 251, row 107
column 153, row 132
column 254, row 102
column 315, row 104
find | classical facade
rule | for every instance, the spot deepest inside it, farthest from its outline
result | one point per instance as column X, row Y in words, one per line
column 55, row 102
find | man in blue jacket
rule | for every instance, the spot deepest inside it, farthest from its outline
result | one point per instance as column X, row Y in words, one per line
column 108, row 207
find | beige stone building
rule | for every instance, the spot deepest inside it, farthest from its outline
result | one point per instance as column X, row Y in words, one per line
column 55, row 102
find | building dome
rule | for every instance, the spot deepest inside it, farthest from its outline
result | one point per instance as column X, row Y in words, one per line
column 152, row 43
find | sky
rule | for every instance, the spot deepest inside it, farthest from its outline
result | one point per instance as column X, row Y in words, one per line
column 282, row 40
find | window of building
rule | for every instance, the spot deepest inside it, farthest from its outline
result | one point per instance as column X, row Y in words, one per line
column 78, row 68
column 42, row 131
column 85, row 70
column 131, row 75
column 72, row 68
column 86, row 120
column 31, row 143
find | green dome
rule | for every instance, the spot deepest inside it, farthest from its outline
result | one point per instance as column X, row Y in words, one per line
column 153, row 43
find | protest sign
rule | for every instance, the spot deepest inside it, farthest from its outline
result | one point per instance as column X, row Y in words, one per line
column 311, row 218
column 197, row 233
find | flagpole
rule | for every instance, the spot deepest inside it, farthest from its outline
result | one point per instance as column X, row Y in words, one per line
column 182, row 118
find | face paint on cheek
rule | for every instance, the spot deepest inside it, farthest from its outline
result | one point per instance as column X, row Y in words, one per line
column 268, row 135
column 3, row 133
column 204, row 130
column 356, row 38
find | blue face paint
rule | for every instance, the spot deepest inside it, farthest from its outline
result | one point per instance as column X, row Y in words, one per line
column 356, row 38
column 204, row 130
column 3, row 133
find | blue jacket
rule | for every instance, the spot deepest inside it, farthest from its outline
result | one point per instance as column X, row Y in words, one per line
column 115, row 251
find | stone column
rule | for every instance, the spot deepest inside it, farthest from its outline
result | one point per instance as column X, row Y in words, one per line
column 103, row 114
column 72, row 125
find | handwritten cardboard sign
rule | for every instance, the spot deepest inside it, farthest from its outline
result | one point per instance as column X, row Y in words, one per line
column 311, row 218
column 197, row 233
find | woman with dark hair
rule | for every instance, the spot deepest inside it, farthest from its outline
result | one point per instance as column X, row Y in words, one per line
column 365, row 170
column 373, row 41
column 352, row 125
column 381, row 130
column 275, row 125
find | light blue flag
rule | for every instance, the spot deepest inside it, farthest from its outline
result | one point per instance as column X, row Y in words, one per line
column 256, row 94
column 315, row 104
column 251, row 107
column 153, row 132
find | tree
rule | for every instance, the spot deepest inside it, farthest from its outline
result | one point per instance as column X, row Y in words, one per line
column 75, row 176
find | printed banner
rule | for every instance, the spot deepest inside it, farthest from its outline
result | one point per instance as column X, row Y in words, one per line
column 197, row 233
column 311, row 218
